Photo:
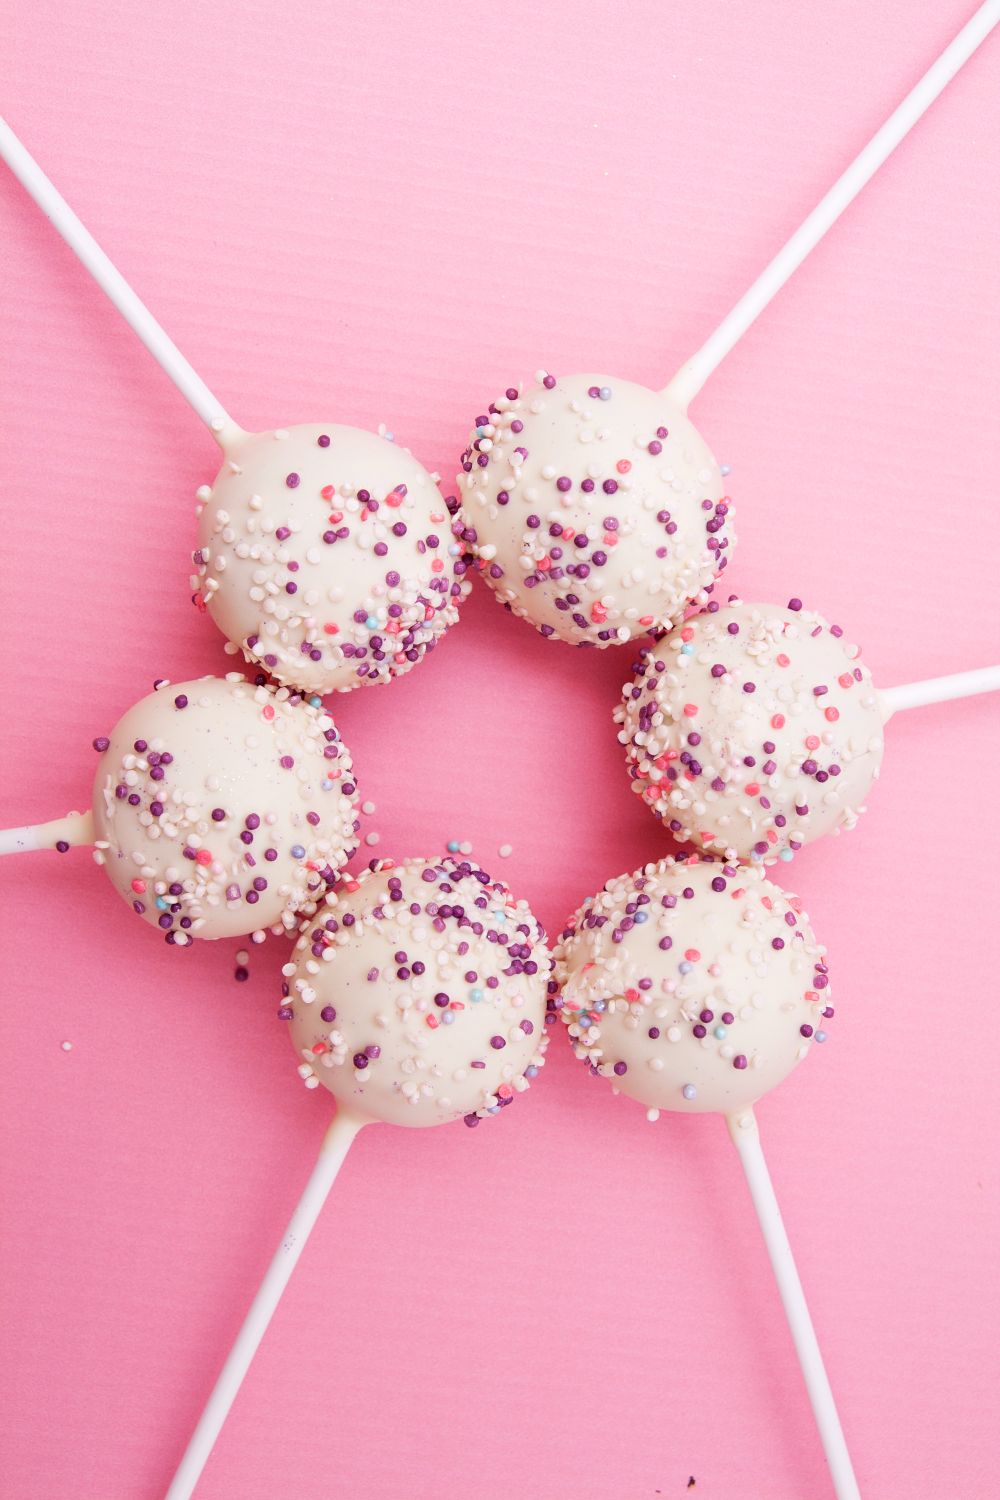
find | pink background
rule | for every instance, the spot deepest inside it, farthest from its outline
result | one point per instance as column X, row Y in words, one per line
column 387, row 212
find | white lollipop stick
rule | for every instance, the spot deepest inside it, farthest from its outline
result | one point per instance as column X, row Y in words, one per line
column 336, row 1144
column 940, row 689
column 112, row 283
column 74, row 829
column 692, row 375
column 746, row 1139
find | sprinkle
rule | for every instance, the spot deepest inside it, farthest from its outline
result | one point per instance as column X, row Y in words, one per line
column 505, row 850
column 778, row 721
column 368, row 807
column 68, row 1046
column 371, row 838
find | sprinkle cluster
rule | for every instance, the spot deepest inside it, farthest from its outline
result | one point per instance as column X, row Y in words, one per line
column 594, row 509
column 328, row 556
column 419, row 992
column 692, row 985
column 752, row 729
column 223, row 807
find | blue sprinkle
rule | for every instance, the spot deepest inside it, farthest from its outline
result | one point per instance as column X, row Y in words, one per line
column 641, row 916
column 327, row 784
column 371, row 623
column 725, row 469
column 786, row 855
column 688, row 648
column 720, row 1033
column 755, row 858
column 447, row 1018
column 390, row 437
column 531, row 1072
column 820, row 1036
column 685, row 967
column 475, row 995
column 316, row 702
column 298, row 852
column 452, row 847
column 599, row 1005
column 494, row 1111
column 605, row 393
column 689, row 1091
column 161, row 903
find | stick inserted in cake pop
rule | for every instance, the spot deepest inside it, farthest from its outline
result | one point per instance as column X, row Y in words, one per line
column 753, row 729
column 595, row 507
column 692, row 375
column 699, row 988
column 746, row 1138
column 336, row 1143
column 79, row 239
column 418, row 997
column 351, row 527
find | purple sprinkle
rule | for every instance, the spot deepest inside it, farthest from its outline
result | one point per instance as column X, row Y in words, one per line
column 292, row 481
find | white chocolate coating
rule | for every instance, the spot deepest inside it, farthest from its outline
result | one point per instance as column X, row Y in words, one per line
column 290, row 550
column 764, row 1005
column 365, row 1020
column 646, row 470
column 246, row 782
column 787, row 738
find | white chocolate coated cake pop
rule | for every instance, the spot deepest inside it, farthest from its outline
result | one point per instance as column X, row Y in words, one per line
column 326, row 554
column 595, row 508
column 419, row 994
column 693, row 986
column 221, row 808
column 753, row 729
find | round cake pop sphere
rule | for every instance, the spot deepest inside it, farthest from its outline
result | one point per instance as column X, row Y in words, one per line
column 753, row 729
column 221, row 808
column 693, row 987
column 595, row 507
column 327, row 554
column 419, row 994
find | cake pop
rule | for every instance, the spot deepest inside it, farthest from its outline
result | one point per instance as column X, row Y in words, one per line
column 752, row 729
column 697, row 987
column 419, row 996
column 220, row 807
column 325, row 553
column 693, row 987
column 594, row 508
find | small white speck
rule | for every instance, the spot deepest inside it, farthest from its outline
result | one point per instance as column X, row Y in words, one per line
column 368, row 807
column 505, row 850
column 66, row 1046
column 242, row 956
column 465, row 848
column 371, row 838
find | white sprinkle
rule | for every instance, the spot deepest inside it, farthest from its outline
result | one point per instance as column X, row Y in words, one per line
column 465, row 848
column 505, row 850
column 371, row 838
column 242, row 956
column 367, row 807
column 66, row 1046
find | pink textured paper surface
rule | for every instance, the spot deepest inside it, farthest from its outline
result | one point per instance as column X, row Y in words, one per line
column 386, row 213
